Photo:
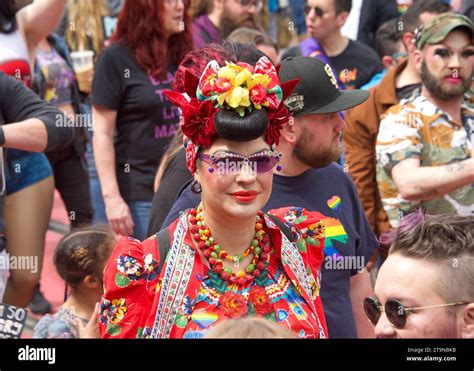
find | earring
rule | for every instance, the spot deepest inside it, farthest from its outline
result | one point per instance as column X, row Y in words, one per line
column 279, row 155
column 196, row 187
column 211, row 170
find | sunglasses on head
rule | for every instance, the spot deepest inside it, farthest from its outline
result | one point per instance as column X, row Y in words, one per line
column 395, row 311
column 231, row 163
column 317, row 10
column 417, row 33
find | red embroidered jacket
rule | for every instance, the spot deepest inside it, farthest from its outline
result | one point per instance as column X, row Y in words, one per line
column 187, row 299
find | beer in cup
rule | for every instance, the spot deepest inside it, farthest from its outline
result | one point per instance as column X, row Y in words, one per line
column 83, row 64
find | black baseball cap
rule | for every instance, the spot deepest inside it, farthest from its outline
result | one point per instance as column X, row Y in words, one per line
column 317, row 92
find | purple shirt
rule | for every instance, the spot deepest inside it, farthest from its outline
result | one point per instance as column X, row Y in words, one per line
column 204, row 31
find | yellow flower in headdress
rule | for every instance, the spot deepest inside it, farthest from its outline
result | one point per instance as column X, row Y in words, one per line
column 240, row 86
column 243, row 78
column 239, row 78
column 259, row 79
column 258, row 87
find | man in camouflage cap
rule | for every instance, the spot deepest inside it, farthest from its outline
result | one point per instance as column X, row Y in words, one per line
column 437, row 30
column 424, row 146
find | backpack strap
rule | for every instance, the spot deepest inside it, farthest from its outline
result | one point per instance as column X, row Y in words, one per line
column 283, row 227
column 164, row 244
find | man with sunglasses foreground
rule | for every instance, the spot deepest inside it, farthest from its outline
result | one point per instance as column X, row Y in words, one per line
column 425, row 287
column 353, row 62
column 307, row 177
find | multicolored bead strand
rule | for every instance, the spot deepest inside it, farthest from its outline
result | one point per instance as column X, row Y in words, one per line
column 215, row 254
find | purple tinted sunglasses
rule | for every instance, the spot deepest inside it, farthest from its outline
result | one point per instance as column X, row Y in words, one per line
column 231, row 163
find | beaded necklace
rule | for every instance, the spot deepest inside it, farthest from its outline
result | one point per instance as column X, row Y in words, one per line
column 215, row 254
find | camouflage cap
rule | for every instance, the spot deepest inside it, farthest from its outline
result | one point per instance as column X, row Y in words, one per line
column 438, row 29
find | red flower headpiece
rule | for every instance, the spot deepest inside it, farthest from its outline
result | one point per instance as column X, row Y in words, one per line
column 238, row 87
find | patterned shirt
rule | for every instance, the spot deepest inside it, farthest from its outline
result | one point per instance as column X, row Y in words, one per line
column 61, row 325
column 59, row 77
column 187, row 298
column 416, row 128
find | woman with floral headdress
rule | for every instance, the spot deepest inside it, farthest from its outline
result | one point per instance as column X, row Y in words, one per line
column 225, row 259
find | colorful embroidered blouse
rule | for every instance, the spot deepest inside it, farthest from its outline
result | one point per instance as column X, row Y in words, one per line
column 188, row 298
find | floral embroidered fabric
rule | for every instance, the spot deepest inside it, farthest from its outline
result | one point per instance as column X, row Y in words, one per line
column 273, row 297
column 187, row 298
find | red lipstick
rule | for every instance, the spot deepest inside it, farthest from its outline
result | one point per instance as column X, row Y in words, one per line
column 244, row 196
column 453, row 80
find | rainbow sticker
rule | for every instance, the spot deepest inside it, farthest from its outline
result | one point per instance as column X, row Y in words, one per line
column 335, row 203
column 334, row 231
column 204, row 319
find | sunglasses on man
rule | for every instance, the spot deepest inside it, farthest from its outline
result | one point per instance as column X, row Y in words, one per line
column 258, row 4
column 317, row 10
column 395, row 311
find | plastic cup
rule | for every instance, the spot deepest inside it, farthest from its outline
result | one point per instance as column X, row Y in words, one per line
column 82, row 60
column 83, row 64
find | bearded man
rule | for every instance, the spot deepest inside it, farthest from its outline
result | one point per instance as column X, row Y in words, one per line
column 424, row 146
column 223, row 17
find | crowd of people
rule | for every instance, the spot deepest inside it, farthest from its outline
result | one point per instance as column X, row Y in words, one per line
column 231, row 182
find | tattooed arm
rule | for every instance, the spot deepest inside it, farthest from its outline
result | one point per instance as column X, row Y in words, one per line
column 423, row 183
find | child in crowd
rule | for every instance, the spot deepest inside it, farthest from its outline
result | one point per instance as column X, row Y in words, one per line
column 79, row 258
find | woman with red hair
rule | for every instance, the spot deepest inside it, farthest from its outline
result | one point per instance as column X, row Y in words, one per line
column 133, row 120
